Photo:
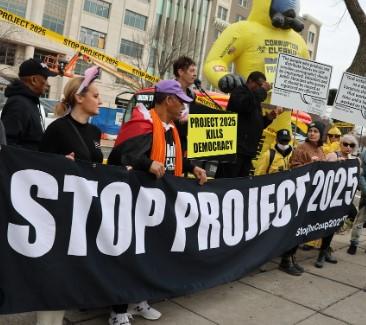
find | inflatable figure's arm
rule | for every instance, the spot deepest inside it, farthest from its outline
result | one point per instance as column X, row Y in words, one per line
column 224, row 51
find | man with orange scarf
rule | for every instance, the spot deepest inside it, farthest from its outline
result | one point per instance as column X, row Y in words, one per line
column 150, row 140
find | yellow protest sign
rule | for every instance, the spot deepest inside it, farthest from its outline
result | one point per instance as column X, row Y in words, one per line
column 211, row 135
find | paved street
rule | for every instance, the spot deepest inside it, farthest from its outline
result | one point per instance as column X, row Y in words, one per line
column 333, row 295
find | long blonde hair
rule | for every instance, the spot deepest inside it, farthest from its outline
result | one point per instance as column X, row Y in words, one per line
column 68, row 101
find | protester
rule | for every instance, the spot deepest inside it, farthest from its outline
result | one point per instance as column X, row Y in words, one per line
column 75, row 138
column 21, row 115
column 276, row 159
column 361, row 216
column 185, row 72
column 2, row 134
column 332, row 144
column 348, row 145
column 246, row 101
column 150, row 142
column 307, row 152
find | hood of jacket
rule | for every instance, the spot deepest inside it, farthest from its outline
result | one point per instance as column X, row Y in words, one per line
column 17, row 87
column 261, row 10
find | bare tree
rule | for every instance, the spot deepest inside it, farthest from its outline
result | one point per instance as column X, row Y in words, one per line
column 358, row 16
column 163, row 45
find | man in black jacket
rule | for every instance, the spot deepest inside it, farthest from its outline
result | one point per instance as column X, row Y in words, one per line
column 246, row 101
column 21, row 116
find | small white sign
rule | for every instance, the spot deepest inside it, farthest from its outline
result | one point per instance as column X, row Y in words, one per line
column 301, row 84
column 350, row 103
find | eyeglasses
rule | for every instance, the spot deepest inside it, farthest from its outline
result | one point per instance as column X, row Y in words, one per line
column 351, row 145
column 334, row 136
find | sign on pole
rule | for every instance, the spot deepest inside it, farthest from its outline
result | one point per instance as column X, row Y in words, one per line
column 211, row 135
column 301, row 84
column 350, row 103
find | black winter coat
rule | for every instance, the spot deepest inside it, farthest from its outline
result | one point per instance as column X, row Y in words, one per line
column 22, row 117
column 251, row 121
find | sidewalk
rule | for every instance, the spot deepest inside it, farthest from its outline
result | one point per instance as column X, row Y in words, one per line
column 333, row 295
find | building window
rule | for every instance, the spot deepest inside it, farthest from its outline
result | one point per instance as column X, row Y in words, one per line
column 243, row 3
column 222, row 13
column 239, row 17
column 81, row 66
column 135, row 20
column 97, row 7
column 131, row 49
column 41, row 54
column 16, row 6
column 311, row 37
column 7, row 53
column 53, row 23
column 92, row 38
column 127, row 78
column 54, row 15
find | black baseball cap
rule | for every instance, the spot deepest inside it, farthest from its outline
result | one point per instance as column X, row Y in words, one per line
column 32, row 67
column 283, row 135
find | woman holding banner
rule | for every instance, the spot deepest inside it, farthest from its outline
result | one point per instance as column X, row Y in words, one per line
column 306, row 153
column 72, row 136
column 348, row 145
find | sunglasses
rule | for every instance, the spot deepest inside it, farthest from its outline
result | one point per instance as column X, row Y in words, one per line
column 334, row 136
column 351, row 145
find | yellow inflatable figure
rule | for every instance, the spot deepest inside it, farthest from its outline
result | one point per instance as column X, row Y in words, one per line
column 333, row 138
column 254, row 45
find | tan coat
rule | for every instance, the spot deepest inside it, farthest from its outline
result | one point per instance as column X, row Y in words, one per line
column 304, row 153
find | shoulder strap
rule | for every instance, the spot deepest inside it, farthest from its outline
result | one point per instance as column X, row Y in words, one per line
column 82, row 141
column 272, row 154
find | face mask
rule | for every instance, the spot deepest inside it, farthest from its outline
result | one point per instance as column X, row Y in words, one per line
column 283, row 147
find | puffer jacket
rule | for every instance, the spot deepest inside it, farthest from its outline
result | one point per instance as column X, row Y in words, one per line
column 22, row 117
column 281, row 162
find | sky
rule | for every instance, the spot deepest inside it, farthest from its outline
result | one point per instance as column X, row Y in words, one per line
column 338, row 36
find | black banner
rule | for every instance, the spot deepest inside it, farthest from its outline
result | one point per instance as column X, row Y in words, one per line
column 78, row 235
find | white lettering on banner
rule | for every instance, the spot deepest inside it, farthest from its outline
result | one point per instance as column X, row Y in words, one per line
column 186, row 213
column 327, row 191
column 283, row 215
column 43, row 222
column 352, row 180
column 253, row 212
column 267, row 207
column 111, row 195
column 150, row 208
column 232, row 217
column 84, row 191
column 209, row 207
column 301, row 190
column 341, row 179
column 319, row 226
column 318, row 180
column 324, row 187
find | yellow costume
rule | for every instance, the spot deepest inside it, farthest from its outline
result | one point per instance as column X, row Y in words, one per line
column 253, row 45
column 329, row 147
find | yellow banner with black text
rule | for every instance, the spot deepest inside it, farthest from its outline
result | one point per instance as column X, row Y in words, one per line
column 211, row 135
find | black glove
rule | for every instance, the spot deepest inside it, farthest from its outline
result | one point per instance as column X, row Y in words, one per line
column 231, row 81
